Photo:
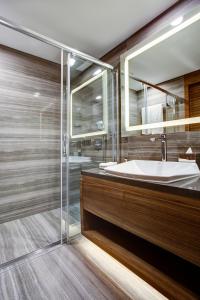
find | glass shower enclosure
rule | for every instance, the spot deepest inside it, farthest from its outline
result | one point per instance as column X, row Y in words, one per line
column 89, row 128
column 57, row 117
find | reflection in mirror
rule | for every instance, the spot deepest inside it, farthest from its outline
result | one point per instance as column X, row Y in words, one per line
column 91, row 131
column 162, row 82
column 89, row 107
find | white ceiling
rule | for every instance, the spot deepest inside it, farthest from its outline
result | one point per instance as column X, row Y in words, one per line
column 91, row 26
column 174, row 57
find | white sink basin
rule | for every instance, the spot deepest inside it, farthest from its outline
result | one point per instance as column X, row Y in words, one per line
column 79, row 159
column 155, row 171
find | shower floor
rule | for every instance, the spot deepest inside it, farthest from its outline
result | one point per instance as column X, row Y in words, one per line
column 25, row 235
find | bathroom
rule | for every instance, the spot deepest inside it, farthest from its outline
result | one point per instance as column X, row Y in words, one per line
column 100, row 152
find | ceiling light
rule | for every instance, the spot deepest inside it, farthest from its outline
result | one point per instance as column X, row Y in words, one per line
column 36, row 94
column 177, row 21
column 72, row 61
column 99, row 97
column 97, row 72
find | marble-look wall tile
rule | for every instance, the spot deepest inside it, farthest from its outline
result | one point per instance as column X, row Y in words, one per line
column 29, row 134
column 141, row 147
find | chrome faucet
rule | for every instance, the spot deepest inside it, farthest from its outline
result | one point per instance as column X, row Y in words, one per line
column 163, row 139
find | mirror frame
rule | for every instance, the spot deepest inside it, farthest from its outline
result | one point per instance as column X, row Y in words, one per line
column 105, row 108
column 178, row 122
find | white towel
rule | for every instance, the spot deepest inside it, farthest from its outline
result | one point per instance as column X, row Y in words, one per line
column 152, row 114
column 108, row 164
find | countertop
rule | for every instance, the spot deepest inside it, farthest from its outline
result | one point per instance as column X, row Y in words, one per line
column 189, row 187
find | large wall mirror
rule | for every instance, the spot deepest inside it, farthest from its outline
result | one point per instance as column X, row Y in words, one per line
column 161, row 80
column 89, row 107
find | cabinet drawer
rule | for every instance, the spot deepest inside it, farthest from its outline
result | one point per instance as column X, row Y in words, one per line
column 166, row 220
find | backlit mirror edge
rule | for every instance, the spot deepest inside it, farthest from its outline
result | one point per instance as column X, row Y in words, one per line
column 105, row 110
column 185, row 121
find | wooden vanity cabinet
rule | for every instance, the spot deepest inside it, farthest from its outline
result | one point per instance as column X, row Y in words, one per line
column 117, row 216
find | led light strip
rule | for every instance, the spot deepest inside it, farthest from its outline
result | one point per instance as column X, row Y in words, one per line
column 179, row 122
column 87, row 82
column 105, row 115
column 158, row 40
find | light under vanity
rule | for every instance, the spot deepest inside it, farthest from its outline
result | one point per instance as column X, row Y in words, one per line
column 151, row 228
column 145, row 210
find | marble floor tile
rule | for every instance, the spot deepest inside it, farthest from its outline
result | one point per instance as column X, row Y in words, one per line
column 22, row 236
column 60, row 274
column 77, row 271
column 25, row 235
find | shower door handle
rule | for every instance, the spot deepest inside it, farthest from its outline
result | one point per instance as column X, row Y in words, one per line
column 64, row 145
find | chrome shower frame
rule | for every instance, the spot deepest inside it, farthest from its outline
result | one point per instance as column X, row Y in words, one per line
column 64, row 130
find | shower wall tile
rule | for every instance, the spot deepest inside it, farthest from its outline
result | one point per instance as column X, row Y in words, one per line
column 87, row 148
column 29, row 134
column 141, row 147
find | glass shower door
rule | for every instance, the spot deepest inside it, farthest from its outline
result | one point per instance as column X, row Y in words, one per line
column 57, row 118
column 29, row 145
column 90, row 124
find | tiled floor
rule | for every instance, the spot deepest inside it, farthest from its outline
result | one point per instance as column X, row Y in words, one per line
column 22, row 236
column 77, row 271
